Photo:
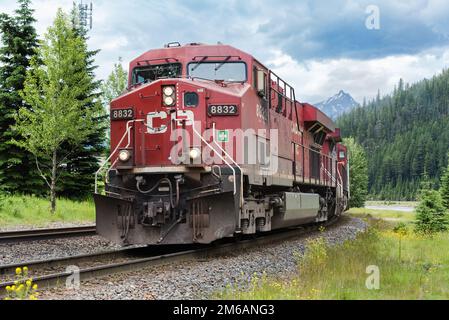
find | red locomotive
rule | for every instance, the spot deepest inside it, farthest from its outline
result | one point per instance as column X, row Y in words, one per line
column 209, row 143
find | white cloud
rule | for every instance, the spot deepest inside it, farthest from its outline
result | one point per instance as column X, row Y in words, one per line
column 45, row 11
column 127, row 29
column 317, row 80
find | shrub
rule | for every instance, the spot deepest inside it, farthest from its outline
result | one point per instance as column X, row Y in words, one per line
column 444, row 187
column 3, row 198
column 316, row 254
column 401, row 229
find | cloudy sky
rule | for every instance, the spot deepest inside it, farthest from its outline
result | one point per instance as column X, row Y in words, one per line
column 318, row 46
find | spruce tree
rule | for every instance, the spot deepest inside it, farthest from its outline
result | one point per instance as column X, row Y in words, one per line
column 430, row 213
column 17, row 166
column 444, row 187
column 83, row 161
column 358, row 173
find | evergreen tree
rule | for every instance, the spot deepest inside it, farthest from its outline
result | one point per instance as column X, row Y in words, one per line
column 444, row 187
column 430, row 213
column 17, row 166
column 57, row 118
column 83, row 160
column 358, row 173
column 405, row 135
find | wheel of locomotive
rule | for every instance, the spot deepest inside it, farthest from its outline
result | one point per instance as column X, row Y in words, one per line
column 332, row 210
column 340, row 206
column 331, row 204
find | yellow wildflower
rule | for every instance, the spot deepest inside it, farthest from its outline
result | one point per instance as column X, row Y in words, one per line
column 35, row 286
column 18, row 271
column 8, row 288
column 28, row 283
column 32, row 297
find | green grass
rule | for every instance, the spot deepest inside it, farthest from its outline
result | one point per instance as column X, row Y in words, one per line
column 33, row 211
column 392, row 203
column 391, row 215
column 420, row 270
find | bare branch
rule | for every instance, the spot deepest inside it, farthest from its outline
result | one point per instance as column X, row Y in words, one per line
column 43, row 165
column 65, row 158
column 41, row 173
column 60, row 162
column 59, row 175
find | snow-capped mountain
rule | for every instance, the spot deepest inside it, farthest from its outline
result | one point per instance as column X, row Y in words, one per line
column 337, row 105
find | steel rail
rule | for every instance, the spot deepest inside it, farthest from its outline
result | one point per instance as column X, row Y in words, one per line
column 9, row 269
column 40, row 234
column 58, row 279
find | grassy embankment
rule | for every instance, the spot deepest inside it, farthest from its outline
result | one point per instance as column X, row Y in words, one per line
column 411, row 267
column 391, row 203
column 32, row 211
column 388, row 215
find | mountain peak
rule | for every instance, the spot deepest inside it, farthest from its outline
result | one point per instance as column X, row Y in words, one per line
column 338, row 104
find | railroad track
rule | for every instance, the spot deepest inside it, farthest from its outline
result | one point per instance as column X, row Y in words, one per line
column 132, row 259
column 41, row 234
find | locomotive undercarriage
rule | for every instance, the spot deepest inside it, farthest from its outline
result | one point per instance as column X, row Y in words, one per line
column 201, row 207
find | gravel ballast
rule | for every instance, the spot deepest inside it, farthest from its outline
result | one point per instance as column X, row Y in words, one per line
column 13, row 253
column 200, row 279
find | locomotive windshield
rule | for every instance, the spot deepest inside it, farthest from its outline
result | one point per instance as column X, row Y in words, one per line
column 226, row 71
column 148, row 74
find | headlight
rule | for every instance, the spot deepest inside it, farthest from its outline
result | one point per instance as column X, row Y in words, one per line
column 169, row 96
column 124, row 155
column 195, row 153
column 168, row 101
column 168, row 91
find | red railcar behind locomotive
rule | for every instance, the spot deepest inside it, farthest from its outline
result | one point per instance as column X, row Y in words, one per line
column 209, row 143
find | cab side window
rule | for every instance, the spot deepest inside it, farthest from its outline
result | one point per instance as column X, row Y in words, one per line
column 255, row 78
column 260, row 82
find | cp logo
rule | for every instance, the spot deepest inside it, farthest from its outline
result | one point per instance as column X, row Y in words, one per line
column 177, row 117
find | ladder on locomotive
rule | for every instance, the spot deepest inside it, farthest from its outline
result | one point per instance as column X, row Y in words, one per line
column 286, row 99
